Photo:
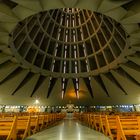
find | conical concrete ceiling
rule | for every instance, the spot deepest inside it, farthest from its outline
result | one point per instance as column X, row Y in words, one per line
column 58, row 51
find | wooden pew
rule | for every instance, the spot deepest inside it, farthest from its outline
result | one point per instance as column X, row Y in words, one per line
column 76, row 115
column 46, row 120
column 41, row 120
column 103, row 123
column 109, row 126
column 81, row 117
column 34, row 126
column 128, row 127
column 20, row 126
column 88, row 119
column 85, row 118
column 51, row 118
column 121, row 126
column 23, row 127
column 8, row 128
column 91, row 120
column 58, row 117
column 97, row 122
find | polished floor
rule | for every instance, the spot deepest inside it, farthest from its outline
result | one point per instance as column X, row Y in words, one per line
column 68, row 129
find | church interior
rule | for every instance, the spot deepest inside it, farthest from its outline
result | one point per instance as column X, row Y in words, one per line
column 69, row 70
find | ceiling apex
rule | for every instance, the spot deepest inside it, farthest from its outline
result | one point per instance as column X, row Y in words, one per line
column 70, row 3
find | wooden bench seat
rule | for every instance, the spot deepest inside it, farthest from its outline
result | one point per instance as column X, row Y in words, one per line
column 111, row 126
column 97, row 122
column 46, row 120
column 23, row 127
column 20, row 125
column 34, row 126
column 128, row 127
column 91, row 120
column 8, row 128
column 41, row 120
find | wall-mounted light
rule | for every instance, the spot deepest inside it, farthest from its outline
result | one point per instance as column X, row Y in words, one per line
column 36, row 101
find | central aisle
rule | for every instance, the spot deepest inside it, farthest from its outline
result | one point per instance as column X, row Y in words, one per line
column 68, row 129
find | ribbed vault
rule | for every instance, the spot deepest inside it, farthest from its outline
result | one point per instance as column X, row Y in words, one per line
column 69, row 41
column 73, row 51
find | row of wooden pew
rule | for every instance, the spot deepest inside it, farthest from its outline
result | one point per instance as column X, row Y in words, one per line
column 116, row 127
column 18, row 127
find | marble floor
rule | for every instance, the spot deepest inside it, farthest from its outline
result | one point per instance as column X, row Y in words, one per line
column 68, row 129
